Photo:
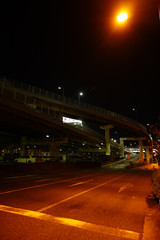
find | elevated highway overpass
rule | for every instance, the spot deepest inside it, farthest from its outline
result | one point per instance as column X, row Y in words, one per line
column 21, row 120
column 43, row 99
column 41, row 110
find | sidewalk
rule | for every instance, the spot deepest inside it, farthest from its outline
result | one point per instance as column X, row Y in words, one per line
column 150, row 166
column 151, row 229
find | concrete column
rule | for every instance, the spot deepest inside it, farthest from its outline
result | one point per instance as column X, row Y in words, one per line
column 52, row 147
column 64, row 157
column 148, row 155
column 23, row 147
column 121, row 148
column 10, row 148
column 57, row 153
column 107, row 138
column 141, row 151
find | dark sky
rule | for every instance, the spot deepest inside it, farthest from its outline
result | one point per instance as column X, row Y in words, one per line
column 76, row 44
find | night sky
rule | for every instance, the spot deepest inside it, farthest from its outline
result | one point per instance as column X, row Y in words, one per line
column 76, row 44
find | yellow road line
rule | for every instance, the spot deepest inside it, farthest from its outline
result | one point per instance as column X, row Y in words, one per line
column 73, row 223
column 78, row 194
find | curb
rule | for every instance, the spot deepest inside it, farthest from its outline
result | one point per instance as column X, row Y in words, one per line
column 151, row 228
column 113, row 163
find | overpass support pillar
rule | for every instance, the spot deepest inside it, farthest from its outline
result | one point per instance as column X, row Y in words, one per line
column 141, row 151
column 121, row 147
column 23, row 147
column 52, row 146
column 54, row 149
column 148, row 155
column 107, row 138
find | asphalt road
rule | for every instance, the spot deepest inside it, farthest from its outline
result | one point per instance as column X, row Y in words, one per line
column 108, row 203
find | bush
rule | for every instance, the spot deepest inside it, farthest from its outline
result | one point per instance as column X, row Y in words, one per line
column 156, row 184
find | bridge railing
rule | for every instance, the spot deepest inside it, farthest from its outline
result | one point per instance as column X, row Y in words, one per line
column 35, row 104
column 65, row 100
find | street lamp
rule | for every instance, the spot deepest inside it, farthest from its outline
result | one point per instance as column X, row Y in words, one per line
column 122, row 17
column 80, row 95
column 136, row 112
column 60, row 88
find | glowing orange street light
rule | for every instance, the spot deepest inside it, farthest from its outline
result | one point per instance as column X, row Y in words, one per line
column 122, row 17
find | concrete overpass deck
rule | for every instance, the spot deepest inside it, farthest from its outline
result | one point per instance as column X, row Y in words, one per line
column 38, row 111
column 49, row 101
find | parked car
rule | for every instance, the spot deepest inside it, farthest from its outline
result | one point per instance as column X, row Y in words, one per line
column 26, row 159
column 34, row 159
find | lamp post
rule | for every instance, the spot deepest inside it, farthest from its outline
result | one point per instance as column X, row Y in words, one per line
column 60, row 88
column 79, row 96
column 135, row 111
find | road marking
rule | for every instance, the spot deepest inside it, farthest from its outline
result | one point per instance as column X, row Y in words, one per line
column 125, row 187
column 110, row 164
column 42, row 185
column 73, row 223
column 22, row 176
column 44, row 180
column 48, row 179
column 80, row 183
column 78, row 194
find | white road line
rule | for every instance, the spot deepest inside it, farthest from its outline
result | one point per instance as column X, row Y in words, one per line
column 44, row 180
column 110, row 164
column 73, row 223
column 22, row 176
column 47, row 179
column 42, row 185
column 80, row 183
column 78, row 194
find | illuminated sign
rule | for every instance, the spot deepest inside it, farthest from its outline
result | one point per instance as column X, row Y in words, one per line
column 72, row 121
